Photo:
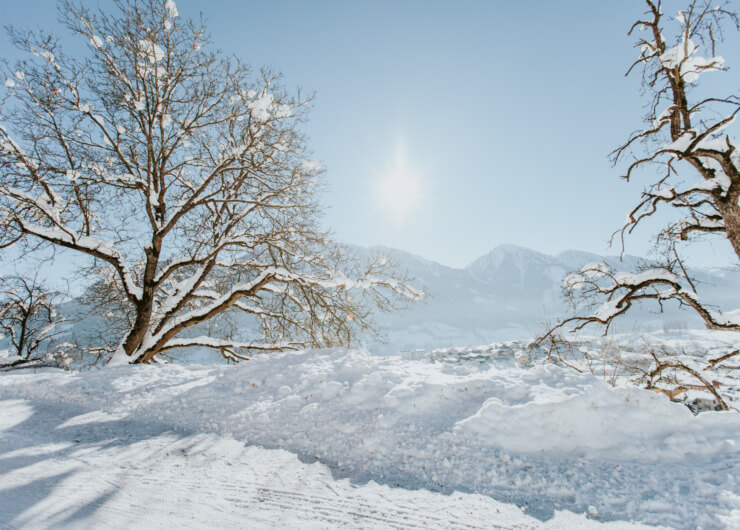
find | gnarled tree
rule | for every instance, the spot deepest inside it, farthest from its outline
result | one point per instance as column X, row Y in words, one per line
column 184, row 178
column 689, row 148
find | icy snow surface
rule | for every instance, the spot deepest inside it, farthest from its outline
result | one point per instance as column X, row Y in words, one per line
column 393, row 442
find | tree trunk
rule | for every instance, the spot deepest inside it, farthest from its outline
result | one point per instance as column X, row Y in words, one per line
column 731, row 215
column 145, row 306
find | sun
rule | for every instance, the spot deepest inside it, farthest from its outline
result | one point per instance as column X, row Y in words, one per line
column 399, row 189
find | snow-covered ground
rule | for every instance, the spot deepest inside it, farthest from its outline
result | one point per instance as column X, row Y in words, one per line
column 65, row 468
column 623, row 359
column 344, row 438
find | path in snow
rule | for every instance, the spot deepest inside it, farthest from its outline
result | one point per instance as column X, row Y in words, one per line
column 64, row 467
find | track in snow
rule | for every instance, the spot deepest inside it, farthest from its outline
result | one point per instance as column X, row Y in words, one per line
column 65, row 467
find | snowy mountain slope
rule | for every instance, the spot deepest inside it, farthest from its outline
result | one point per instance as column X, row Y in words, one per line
column 386, row 435
column 511, row 292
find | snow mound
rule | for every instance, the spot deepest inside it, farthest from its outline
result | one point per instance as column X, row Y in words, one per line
column 544, row 437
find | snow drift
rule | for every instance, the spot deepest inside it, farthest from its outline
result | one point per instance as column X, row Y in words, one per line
column 543, row 437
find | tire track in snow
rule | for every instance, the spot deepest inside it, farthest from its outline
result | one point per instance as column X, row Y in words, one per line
column 121, row 474
column 395, row 516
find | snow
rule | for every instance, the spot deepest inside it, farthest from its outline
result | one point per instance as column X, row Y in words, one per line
column 574, row 281
column 609, row 309
column 151, row 50
column 682, row 143
column 729, row 318
column 653, row 275
column 144, row 476
column 261, row 107
column 283, row 111
column 310, row 165
column 690, row 66
column 383, row 431
column 44, row 54
column 595, row 270
column 707, row 185
column 662, row 119
column 171, row 7
column 480, row 434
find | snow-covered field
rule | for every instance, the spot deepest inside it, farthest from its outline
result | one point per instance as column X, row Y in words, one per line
column 347, row 439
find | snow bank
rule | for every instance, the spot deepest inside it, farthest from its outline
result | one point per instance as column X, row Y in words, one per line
column 542, row 436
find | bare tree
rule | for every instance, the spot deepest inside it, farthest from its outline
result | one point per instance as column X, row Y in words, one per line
column 688, row 147
column 28, row 318
column 185, row 178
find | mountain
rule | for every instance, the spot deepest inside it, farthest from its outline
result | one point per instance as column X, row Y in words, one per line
column 509, row 293
column 512, row 293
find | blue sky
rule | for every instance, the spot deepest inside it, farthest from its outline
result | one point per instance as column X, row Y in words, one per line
column 504, row 112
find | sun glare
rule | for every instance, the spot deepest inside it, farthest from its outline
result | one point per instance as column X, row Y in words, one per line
column 398, row 189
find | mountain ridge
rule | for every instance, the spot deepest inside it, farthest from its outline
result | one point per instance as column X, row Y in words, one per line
column 511, row 292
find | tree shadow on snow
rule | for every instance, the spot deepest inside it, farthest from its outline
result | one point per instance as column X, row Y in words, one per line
column 538, row 484
column 49, row 433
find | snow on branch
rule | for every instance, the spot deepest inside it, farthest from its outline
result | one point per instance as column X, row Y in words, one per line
column 63, row 236
column 618, row 291
column 685, row 137
column 230, row 350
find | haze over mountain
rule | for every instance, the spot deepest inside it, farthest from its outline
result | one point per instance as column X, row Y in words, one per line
column 511, row 292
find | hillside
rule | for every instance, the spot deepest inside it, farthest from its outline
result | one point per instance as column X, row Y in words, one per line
column 511, row 292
